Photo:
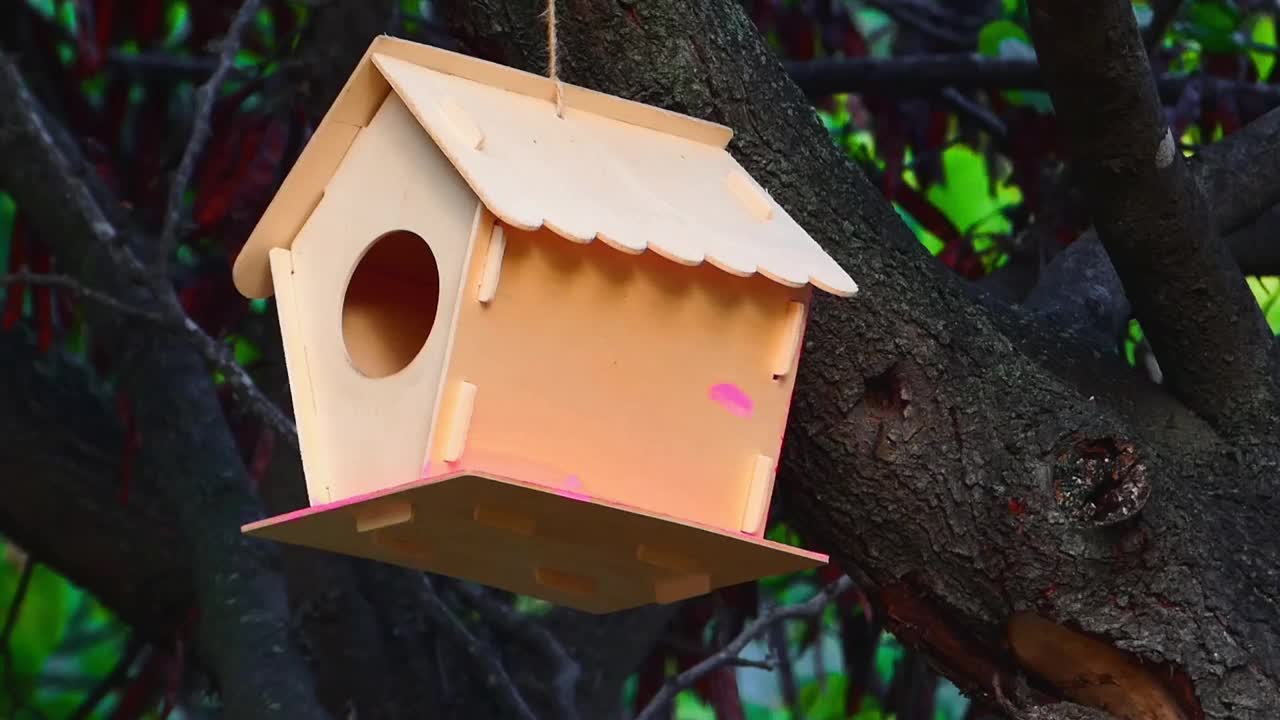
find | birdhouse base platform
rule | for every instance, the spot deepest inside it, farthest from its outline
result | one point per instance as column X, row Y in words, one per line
column 541, row 541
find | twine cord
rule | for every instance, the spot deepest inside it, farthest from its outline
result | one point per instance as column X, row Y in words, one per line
column 553, row 57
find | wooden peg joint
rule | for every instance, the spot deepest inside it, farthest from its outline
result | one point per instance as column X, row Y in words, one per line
column 752, row 197
column 759, row 493
column 785, row 354
column 462, row 124
column 492, row 265
column 460, row 422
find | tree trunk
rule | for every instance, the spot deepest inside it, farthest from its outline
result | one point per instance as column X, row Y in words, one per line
column 948, row 454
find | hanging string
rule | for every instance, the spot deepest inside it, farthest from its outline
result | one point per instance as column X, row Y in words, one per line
column 553, row 57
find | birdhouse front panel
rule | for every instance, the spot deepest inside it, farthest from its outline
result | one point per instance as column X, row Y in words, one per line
column 376, row 272
column 623, row 377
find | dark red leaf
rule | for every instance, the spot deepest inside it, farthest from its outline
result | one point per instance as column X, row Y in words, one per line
column 64, row 305
column 859, row 641
column 210, row 298
column 141, row 691
column 828, row 574
column 262, row 452
column 929, row 216
column 855, row 45
column 651, row 675
column 795, row 31
column 151, row 22
column 723, row 696
column 765, row 14
column 15, row 293
column 173, row 675
column 41, row 263
column 89, row 40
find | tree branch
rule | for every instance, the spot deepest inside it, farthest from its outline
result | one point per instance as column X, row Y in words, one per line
column 61, row 465
column 1163, row 13
column 244, row 624
column 928, row 20
column 565, row 671
column 1256, row 246
column 488, row 663
column 1080, row 292
column 78, row 290
column 922, row 74
column 1153, row 218
column 726, row 655
column 206, row 97
column 1239, row 175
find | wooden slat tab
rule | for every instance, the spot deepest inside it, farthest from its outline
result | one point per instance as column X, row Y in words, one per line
column 382, row 516
column 665, row 559
column 492, row 265
column 460, row 421
column 681, row 587
column 759, row 494
column 564, row 581
column 511, row 521
column 784, row 356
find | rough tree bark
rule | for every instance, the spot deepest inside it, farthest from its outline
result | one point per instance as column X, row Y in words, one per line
column 1024, row 511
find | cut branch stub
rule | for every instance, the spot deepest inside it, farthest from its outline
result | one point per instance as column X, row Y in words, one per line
column 1101, row 481
column 1091, row 672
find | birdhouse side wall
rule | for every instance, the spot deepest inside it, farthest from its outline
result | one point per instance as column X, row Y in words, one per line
column 377, row 270
column 628, row 378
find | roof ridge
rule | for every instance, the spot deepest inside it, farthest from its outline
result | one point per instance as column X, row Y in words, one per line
column 540, row 86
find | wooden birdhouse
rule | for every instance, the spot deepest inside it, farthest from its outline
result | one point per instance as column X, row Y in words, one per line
column 551, row 354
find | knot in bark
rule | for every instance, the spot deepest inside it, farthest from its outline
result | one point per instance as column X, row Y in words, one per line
column 1101, row 481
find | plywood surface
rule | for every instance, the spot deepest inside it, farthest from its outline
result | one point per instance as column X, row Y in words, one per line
column 590, row 177
column 651, row 384
column 373, row 432
column 530, row 539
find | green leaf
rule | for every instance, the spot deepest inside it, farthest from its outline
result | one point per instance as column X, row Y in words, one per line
column 689, row 707
column 887, row 656
column 762, row 712
column 966, row 200
column 1262, row 32
column 992, row 38
column 246, row 352
column 41, row 624
column 1266, row 290
column 532, row 606
column 870, row 709
column 825, row 702
column 1214, row 25
column 178, row 23
column 1007, row 39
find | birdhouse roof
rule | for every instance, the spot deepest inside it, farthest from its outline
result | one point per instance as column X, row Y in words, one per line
column 633, row 176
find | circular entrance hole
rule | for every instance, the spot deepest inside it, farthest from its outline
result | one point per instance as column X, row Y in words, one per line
column 390, row 304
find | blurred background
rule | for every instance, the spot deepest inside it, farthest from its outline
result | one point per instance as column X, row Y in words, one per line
column 940, row 107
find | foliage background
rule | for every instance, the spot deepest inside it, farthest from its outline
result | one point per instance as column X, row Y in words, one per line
column 126, row 70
